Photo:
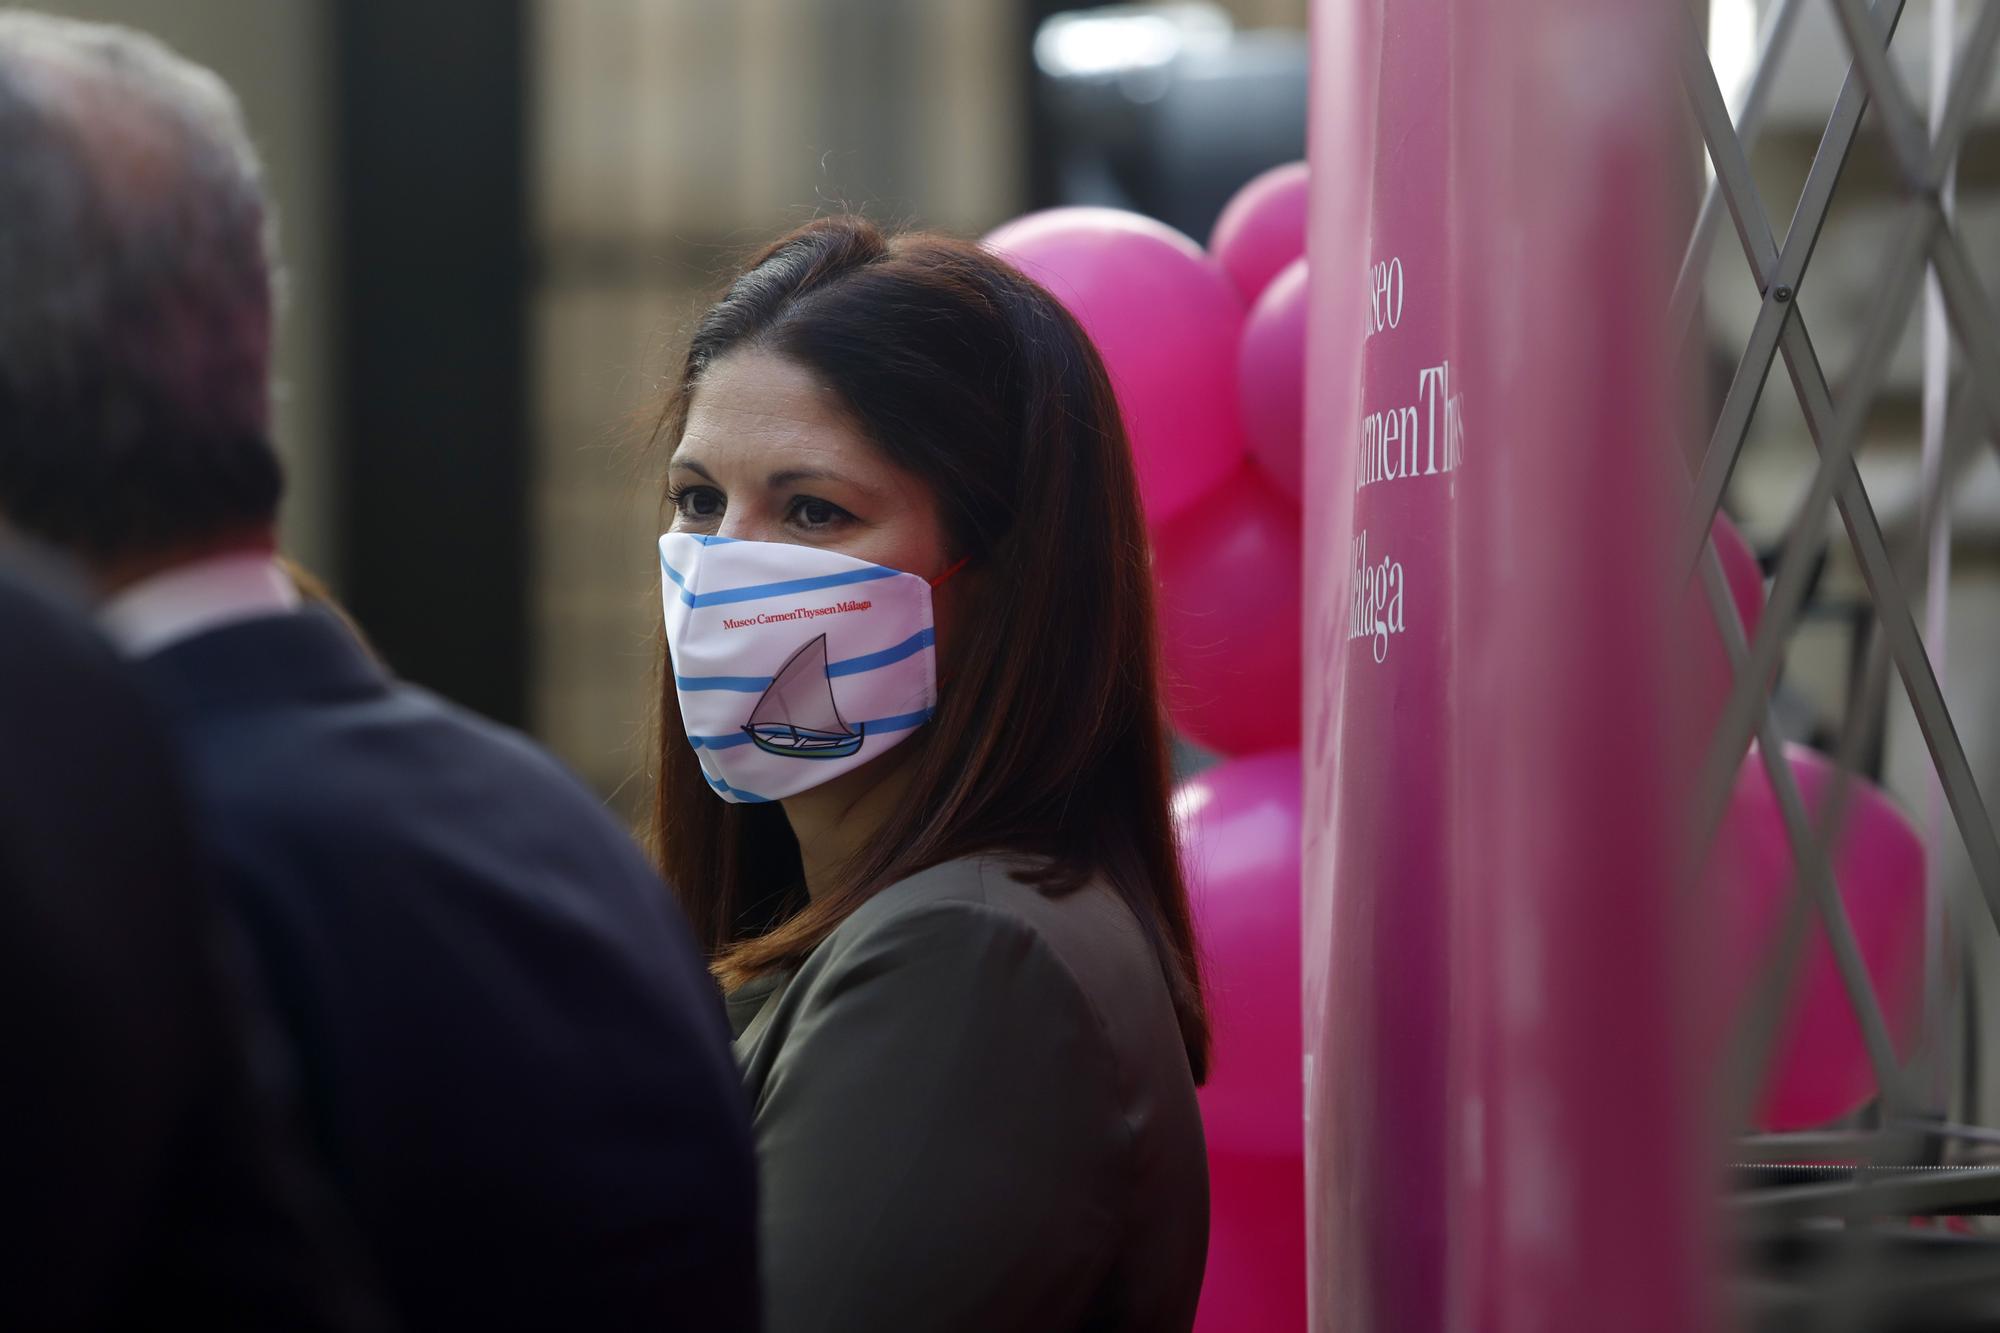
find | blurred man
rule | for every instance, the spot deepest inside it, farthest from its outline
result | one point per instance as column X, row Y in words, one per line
column 510, row 1052
column 149, row 1179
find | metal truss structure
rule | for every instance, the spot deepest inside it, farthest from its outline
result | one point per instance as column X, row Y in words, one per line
column 1857, row 1242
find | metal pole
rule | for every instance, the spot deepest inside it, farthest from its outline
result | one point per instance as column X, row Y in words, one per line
column 1934, row 1073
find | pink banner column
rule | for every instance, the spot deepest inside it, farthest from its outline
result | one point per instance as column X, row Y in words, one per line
column 1504, row 1126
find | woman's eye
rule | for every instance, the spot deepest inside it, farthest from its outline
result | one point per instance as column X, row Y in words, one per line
column 810, row 513
column 699, row 502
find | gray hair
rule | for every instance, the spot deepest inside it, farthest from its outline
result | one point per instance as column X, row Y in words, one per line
column 136, row 277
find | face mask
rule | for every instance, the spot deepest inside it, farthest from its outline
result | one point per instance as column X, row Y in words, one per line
column 793, row 665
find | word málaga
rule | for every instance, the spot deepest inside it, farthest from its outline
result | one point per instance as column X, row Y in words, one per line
column 1374, row 599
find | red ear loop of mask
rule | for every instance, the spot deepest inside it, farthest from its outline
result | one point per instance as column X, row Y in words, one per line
column 937, row 583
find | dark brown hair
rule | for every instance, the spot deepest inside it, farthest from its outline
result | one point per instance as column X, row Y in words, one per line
column 1050, row 736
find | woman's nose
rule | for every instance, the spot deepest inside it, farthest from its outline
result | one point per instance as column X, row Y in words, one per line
column 742, row 526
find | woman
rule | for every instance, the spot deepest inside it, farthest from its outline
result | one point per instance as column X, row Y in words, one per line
column 910, row 631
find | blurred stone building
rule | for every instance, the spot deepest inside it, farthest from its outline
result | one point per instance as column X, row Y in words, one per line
column 499, row 218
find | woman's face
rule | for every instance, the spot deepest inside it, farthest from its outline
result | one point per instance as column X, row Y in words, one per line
column 770, row 455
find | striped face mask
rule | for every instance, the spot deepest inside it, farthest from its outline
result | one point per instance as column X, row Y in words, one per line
column 793, row 664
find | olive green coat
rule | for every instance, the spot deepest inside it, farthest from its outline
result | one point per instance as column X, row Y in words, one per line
column 974, row 1112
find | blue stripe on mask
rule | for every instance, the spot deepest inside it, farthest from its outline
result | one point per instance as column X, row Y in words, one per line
column 879, row 727
column 853, row 666
column 909, row 647
column 757, row 592
column 750, row 797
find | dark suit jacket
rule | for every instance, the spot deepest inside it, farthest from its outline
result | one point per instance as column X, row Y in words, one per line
column 512, row 1055
column 974, row 1115
column 147, row 1176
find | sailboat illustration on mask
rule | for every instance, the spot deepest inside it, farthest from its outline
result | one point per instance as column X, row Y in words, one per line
column 797, row 716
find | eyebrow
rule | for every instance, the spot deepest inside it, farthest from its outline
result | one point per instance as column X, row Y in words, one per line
column 793, row 475
column 787, row 477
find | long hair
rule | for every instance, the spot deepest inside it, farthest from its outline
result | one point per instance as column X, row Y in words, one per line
column 1050, row 736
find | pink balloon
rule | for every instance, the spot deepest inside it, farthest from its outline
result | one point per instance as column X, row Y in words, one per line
column 1712, row 675
column 1229, row 574
column 1262, row 229
column 1742, row 572
column 1256, row 1273
column 1271, row 376
column 1239, row 824
column 1819, row 1069
column 1166, row 322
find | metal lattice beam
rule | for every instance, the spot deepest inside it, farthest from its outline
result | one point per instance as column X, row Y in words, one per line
column 1924, row 233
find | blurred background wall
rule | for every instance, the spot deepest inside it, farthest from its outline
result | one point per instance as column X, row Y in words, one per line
column 671, row 139
column 499, row 218
column 675, row 136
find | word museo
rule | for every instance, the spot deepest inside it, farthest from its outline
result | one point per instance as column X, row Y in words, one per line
column 1385, row 296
